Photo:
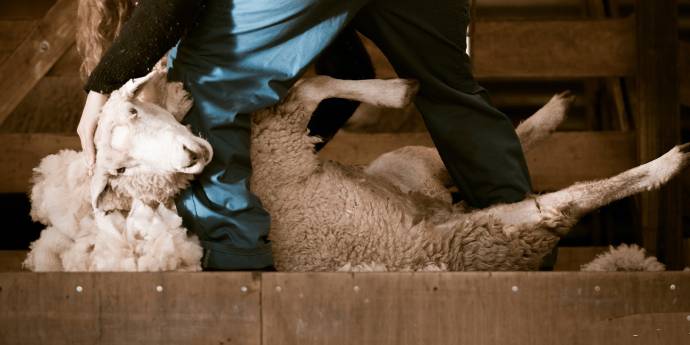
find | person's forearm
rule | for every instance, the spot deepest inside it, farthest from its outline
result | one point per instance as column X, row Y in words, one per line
column 154, row 28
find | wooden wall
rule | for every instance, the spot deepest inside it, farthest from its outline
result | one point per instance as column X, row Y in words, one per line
column 560, row 44
column 341, row 308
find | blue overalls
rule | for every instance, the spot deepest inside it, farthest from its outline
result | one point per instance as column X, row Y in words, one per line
column 244, row 55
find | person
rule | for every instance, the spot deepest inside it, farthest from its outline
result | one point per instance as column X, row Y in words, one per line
column 238, row 56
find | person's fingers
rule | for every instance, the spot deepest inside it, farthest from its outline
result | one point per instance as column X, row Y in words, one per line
column 87, row 125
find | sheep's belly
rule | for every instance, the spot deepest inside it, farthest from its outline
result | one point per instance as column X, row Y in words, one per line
column 324, row 226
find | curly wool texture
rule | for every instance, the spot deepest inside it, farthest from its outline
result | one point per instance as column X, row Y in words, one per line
column 329, row 217
column 146, row 239
column 624, row 258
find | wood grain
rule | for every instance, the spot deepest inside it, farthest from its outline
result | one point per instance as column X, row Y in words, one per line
column 20, row 153
column 11, row 260
column 571, row 258
column 475, row 308
column 559, row 161
column 684, row 72
column 54, row 105
column 554, row 49
column 658, row 123
column 126, row 308
column 46, row 43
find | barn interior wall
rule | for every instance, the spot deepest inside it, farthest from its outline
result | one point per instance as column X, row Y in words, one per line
column 54, row 106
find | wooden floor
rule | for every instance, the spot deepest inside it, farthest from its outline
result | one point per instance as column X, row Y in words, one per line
column 342, row 308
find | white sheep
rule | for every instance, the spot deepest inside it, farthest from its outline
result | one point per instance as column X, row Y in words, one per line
column 120, row 217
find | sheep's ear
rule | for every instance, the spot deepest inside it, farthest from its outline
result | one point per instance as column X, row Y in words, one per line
column 132, row 87
column 177, row 100
column 99, row 187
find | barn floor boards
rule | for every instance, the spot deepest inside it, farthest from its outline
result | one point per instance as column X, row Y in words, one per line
column 342, row 308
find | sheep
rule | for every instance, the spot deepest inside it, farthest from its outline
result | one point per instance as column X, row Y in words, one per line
column 326, row 216
column 330, row 217
column 120, row 216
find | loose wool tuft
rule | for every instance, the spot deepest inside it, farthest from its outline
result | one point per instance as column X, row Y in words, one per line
column 624, row 258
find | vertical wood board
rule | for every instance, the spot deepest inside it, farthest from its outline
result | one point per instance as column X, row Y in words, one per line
column 658, row 123
column 476, row 308
column 127, row 308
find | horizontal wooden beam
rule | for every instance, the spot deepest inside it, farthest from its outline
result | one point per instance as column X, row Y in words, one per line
column 572, row 258
column 339, row 308
column 562, row 159
column 475, row 308
column 130, row 308
column 20, row 153
column 46, row 43
column 554, row 49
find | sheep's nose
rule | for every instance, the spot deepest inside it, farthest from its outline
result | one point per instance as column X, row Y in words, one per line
column 193, row 156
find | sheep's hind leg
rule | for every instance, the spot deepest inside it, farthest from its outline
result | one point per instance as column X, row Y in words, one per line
column 391, row 93
column 560, row 209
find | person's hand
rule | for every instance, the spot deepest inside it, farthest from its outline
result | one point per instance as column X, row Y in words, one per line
column 87, row 125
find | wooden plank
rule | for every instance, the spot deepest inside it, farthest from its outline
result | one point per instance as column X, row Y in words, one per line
column 127, row 308
column 475, row 308
column 658, row 123
column 562, row 159
column 568, row 157
column 54, row 105
column 572, row 258
column 11, row 260
column 12, row 33
column 34, row 9
column 20, row 153
column 46, row 43
column 684, row 72
column 68, row 65
column 558, row 162
column 554, row 49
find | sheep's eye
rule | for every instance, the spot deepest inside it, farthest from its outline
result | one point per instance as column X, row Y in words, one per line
column 133, row 113
column 121, row 170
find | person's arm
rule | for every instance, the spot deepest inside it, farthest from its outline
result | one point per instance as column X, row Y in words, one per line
column 154, row 28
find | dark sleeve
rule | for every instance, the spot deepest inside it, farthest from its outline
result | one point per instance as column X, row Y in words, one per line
column 154, row 28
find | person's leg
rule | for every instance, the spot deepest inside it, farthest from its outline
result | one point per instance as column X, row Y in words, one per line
column 243, row 56
column 477, row 142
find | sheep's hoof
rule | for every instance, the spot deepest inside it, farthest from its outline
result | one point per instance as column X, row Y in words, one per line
column 664, row 168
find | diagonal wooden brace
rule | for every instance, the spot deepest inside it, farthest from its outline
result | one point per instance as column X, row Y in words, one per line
column 48, row 41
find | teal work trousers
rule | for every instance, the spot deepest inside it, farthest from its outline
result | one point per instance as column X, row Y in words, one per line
column 244, row 55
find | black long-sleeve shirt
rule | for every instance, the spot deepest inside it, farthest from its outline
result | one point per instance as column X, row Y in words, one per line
column 154, row 28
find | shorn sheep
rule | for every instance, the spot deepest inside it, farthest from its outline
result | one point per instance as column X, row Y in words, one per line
column 327, row 216
column 120, row 216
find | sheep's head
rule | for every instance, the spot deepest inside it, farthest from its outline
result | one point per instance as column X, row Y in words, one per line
column 143, row 151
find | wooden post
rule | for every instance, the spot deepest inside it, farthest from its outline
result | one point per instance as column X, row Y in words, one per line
column 658, row 122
